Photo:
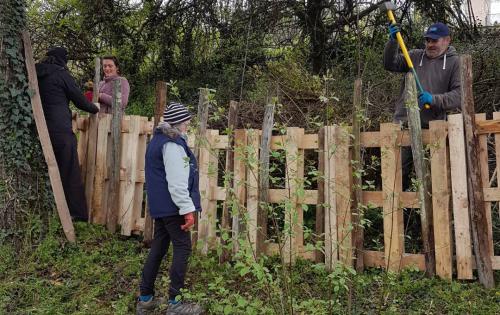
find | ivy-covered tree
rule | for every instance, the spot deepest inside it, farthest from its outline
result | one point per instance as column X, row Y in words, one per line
column 24, row 190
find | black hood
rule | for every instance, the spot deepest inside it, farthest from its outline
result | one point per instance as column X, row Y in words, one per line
column 44, row 69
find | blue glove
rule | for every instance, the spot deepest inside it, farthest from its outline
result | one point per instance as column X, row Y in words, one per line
column 424, row 98
column 393, row 29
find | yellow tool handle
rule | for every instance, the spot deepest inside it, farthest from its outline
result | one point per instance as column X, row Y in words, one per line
column 400, row 41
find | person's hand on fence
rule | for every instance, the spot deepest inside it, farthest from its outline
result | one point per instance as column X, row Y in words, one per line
column 424, row 98
column 189, row 221
column 393, row 30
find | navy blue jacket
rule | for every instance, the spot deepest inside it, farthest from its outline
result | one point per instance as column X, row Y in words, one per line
column 159, row 199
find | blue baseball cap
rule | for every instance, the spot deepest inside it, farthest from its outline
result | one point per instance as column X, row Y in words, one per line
column 437, row 30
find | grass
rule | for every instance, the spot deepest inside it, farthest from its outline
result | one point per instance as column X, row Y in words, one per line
column 100, row 275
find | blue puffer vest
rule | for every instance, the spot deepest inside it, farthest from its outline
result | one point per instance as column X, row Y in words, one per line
column 159, row 199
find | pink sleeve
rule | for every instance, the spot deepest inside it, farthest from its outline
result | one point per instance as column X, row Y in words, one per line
column 125, row 92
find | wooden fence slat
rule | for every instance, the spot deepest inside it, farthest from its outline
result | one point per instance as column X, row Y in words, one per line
column 252, row 186
column 496, row 116
column 330, row 209
column 98, row 214
column 294, row 237
column 392, row 186
column 205, row 182
column 129, row 165
column 139, row 182
column 481, row 246
column 441, row 200
column 485, row 176
column 239, row 184
column 463, row 244
column 343, row 192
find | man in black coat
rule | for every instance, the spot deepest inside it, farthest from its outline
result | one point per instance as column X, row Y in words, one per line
column 57, row 88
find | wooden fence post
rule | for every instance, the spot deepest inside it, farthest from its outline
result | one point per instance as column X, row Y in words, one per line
column 48, row 151
column 319, row 256
column 475, row 192
column 441, row 199
column 201, row 141
column 114, row 180
column 422, row 172
column 263, row 194
column 229, row 184
column 92, row 140
column 98, row 213
column 357, row 215
column 160, row 104
column 391, row 187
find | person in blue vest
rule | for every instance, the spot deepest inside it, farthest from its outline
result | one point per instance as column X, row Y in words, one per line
column 173, row 197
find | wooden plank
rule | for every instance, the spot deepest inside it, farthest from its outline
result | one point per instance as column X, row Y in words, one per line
column 485, row 177
column 228, row 181
column 98, row 213
column 319, row 256
column 293, row 233
column 443, row 245
column 309, row 197
column 330, row 210
column 377, row 259
column 463, row 244
column 310, row 142
column 239, row 184
column 496, row 115
column 357, row 166
column 92, row 136
column 371, row 139
column 252, row 186
column 484, row 126
column 43, row 133
column 343, row 177
column 140, row 175
column 407, row 199
column 392, row 186
column 479, row 219
column 116, row 153
column 265, row 146
column 422, row 172
column 206, row 174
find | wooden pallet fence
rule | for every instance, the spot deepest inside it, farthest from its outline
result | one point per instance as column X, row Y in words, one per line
column 445, row 141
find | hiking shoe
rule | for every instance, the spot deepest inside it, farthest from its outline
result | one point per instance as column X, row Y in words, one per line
column 181, row 308
column 144, row 308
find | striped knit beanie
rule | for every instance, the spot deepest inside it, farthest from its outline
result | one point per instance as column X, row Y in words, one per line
column 176, row 113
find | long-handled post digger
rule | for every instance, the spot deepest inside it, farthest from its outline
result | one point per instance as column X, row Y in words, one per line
column 389, row 7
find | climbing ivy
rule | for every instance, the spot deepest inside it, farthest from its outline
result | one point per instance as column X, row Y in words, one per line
column 24, row 189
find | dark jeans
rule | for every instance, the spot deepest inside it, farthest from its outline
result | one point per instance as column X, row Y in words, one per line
column 167, row 229
column 65, row 150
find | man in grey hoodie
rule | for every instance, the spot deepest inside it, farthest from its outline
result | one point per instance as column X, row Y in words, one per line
column 438, row 69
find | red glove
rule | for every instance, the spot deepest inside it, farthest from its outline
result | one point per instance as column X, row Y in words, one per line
column 189, row 219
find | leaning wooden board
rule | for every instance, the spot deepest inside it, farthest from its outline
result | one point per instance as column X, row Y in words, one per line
column 43, row 133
